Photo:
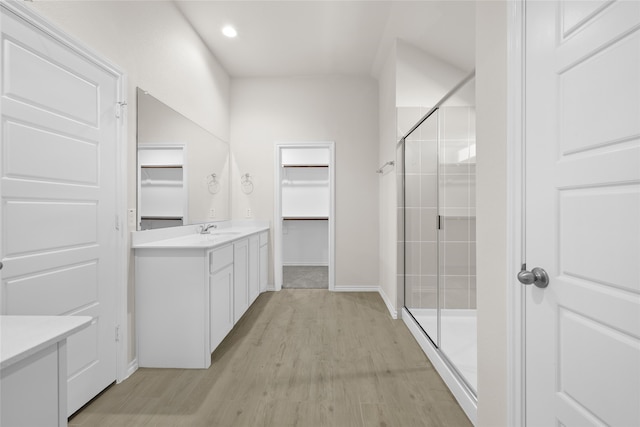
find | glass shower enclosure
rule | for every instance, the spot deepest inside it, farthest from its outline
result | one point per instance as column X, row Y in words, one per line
column 438, row 227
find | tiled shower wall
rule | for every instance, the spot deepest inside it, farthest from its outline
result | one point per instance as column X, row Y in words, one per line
column 453, row 183
column 457, row 207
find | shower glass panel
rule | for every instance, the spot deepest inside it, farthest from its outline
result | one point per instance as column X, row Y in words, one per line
column 457, row 234
column 420, row 224
column 438, row 219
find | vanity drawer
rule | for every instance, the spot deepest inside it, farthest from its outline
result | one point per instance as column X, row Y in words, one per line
column 220, row 258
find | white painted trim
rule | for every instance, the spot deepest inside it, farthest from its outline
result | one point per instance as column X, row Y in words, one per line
column 122, row 243
column 467, row 401
column 277, row 223
column 133, row 366
column 516, row 403
column 122, row 259
column 392, row 311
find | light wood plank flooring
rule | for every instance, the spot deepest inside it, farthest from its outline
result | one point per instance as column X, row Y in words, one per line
column 299, row 357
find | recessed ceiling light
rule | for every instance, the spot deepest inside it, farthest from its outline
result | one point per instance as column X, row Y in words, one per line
column 229, row 31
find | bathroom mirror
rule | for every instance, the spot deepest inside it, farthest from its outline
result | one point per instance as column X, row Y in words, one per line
column 183, row 170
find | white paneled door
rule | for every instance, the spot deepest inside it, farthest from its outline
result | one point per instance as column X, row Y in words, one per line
column 583, row 212
column 58, row 195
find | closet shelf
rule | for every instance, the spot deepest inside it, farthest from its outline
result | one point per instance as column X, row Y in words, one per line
column 172, row 218
column 305, row 166
column 161, row 166
column 305, row 218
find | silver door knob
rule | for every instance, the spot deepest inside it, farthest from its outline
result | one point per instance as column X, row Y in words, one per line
column 537, row 276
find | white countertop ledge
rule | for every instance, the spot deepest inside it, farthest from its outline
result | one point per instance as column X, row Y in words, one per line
column 188, row 238
column 23, row 336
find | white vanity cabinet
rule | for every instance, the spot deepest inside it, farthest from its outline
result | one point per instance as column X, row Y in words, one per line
column 172, row 308
column 221, row 285
column 190, row 292
column 33, row 368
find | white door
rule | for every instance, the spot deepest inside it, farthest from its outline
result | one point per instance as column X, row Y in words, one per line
column 57, row 177
column 583, row 212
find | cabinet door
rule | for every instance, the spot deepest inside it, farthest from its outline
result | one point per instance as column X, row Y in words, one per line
column 254, row 268
column 264, row 262
column 220, row 305
column 240, row 278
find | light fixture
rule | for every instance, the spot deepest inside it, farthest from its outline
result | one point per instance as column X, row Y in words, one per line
column 229, row 31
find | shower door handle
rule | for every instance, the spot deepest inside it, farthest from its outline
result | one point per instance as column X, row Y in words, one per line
column 536, row 276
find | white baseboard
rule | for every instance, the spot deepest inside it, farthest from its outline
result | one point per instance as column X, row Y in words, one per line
column 392, row 311
column 133, row 366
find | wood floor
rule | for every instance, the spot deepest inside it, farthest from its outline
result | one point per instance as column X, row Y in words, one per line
column 298, row 357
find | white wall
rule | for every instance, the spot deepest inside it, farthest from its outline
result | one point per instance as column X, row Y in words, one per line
column 410, row 82
column 159, row 52
column 422, row 79
column 387, row 258
column 491, row 210
column 324, row 108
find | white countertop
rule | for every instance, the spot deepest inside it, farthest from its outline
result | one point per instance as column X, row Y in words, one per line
column 216, row 237
column 22, row 336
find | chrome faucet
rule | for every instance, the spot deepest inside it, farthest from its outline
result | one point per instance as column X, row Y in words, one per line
column 204, row 229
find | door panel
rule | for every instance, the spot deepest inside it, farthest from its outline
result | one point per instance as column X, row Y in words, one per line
column 27, row 71
column 58, row 195
column 583, row 212
column 30, row 149
column 582, row 242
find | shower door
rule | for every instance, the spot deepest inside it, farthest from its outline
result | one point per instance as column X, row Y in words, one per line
column 439, row 230
column 421, row 225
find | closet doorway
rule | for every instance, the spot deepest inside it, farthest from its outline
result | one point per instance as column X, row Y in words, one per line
column 305, row 222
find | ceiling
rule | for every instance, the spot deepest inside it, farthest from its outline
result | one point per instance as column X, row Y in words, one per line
column 354, row 37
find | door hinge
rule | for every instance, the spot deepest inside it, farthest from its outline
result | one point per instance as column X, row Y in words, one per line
column 118, row 333
column 439, row 222
column 120, row 108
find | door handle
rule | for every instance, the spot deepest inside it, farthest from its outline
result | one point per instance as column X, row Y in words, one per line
column 536, row 276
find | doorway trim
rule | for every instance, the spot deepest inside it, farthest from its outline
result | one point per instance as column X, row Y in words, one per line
column 277, row 240
column 121, row 335
column 516, row 198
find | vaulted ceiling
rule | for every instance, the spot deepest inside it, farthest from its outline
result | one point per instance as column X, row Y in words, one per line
column 286, row 38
